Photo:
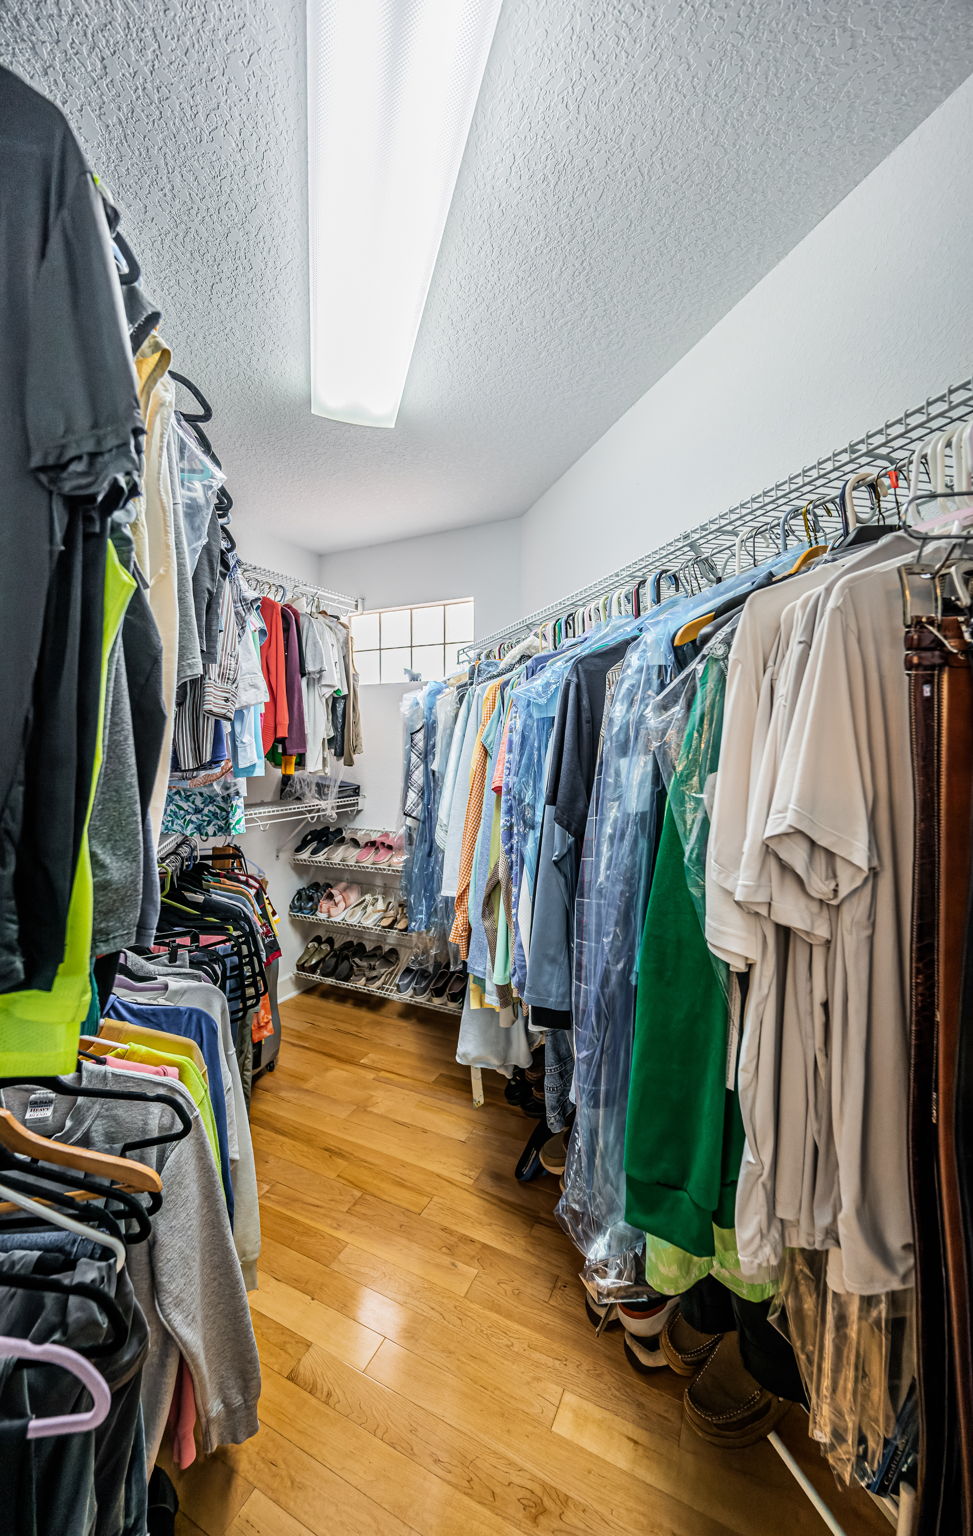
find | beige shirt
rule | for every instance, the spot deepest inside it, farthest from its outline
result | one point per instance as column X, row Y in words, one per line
column 842, row 820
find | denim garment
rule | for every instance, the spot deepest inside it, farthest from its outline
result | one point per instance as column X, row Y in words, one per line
column 617, row 862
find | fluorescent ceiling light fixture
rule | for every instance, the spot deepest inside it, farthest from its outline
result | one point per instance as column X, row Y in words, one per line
column 392, row 85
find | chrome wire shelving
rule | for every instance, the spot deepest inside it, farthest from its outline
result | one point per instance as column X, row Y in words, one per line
column 387, row 990
column 394, row 935
column 261, row 816
column 761, row 521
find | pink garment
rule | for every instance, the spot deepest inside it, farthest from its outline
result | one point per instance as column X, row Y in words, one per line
column 497, row 782
column 121, row 1064
column 182, row 1418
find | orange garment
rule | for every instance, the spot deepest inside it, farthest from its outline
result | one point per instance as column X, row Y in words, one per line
column 276, row 719
column 460, row 932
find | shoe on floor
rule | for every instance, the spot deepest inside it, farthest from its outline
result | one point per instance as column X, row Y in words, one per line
column 646, row 1317
column 725, row 1406
column 643, row 1355
column 685, row 1348
column 554, row 1153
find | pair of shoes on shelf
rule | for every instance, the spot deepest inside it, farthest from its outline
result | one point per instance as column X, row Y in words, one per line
column 438, row 983
column 314, row 954
column 306, row 901
column 372, row 911
column 377, row 851
column 317, row 843
column 377, row 966
column 338, row 900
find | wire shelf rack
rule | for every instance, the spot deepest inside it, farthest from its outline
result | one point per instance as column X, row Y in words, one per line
column 394, row 935
column 388, row 990
column 358, row 869
column 261, row 816
column 294, row 586
column 713, row 543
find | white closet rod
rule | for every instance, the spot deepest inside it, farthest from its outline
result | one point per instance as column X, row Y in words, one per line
column 714, row 541
column 294, row 584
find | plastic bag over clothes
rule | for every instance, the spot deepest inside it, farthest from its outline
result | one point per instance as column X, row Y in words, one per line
column 856, row 1355
column 616, row 870
column 534, row 705
column 689, row 777
column 200, row 479
column 616, row 859
column 421, row 883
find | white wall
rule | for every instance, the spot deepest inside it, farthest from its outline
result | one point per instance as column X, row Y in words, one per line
column 868, row 315
column 482, row 562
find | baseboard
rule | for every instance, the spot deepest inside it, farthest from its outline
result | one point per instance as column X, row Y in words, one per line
column 295, row 987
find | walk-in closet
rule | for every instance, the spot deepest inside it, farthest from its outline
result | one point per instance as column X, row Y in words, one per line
column 486, row 801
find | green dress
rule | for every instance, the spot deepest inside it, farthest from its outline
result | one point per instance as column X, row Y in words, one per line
column 684, row 1135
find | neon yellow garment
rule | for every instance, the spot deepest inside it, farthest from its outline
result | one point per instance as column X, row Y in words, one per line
column 39, row 1031
column 189, row 1075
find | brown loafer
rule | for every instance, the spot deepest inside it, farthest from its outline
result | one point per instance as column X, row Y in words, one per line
column 725, row 1406
column 685, row 1348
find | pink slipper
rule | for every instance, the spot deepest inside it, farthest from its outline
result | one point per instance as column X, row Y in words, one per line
column 398, row 845
column 368, row 853
column 327, row 905
column 346, row 896
column 383, row 850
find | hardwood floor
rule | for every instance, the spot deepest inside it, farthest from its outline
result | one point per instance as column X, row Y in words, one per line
column 428, row 1369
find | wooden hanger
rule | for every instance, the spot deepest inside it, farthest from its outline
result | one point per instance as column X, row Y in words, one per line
column 124, row 1171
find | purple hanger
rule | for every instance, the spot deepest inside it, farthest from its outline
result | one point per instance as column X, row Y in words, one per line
column 126, row 984
column 77, row 1365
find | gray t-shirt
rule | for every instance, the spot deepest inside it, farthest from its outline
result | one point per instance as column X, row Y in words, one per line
column 69, row 417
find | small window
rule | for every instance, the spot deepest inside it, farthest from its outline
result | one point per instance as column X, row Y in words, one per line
column 426, row 639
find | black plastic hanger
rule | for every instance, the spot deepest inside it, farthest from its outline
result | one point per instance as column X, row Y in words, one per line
column 197, row 394
column 93, row 1293
column 132, row 271
column 66, row 1089
column 93, row 1215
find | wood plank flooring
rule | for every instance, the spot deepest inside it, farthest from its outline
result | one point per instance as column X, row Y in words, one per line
column 428, row 1369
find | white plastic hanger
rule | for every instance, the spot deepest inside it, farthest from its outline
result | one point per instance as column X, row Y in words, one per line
column 56, row 1218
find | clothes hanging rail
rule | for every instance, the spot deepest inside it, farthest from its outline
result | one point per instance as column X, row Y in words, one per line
column 294, row 586
column 714, row 542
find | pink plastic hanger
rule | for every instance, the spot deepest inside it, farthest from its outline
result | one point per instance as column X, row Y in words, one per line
column 69, row 1360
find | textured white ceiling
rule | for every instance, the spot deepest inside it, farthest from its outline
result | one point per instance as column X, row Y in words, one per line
column 633, row 169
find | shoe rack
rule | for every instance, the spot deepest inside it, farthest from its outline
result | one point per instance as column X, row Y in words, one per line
column 386, row 936
column 385, row 990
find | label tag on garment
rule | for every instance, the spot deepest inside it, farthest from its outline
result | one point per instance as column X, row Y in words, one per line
column 40, row 1106
column 476, row 1083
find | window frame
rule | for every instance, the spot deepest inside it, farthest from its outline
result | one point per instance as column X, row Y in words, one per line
column 444, row 646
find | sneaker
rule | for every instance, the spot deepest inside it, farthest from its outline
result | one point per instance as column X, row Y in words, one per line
column 643, row 1322
column 725, row 1406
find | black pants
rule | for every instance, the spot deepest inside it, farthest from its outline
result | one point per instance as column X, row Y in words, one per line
column 61, row 743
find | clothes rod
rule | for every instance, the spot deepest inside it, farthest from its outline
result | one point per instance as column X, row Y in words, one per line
column 714, row 541
column 341, row 600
